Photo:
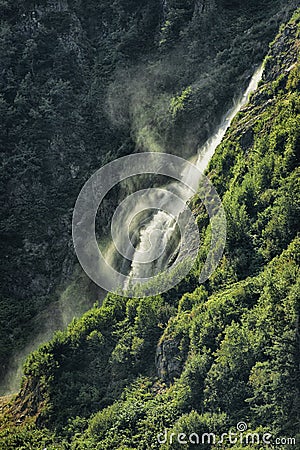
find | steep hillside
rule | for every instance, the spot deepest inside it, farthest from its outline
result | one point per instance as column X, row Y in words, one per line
column 82, row 83
column 197, row 359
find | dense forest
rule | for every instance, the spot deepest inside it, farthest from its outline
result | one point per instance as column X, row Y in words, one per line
column 81, row 85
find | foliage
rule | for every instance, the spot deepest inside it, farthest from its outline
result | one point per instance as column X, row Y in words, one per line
column 196, row 359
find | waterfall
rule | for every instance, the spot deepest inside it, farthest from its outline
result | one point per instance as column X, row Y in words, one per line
column 160, row 230
column 206, row 152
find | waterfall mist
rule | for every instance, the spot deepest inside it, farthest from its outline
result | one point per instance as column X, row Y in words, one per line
column 160, row 230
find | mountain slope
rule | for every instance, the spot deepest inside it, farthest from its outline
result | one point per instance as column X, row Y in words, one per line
column 194, row 359
column 83, row 83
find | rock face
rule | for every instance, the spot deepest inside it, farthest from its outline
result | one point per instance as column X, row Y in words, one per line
column 168, row 360
column 281, row 59
column 283, row 54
